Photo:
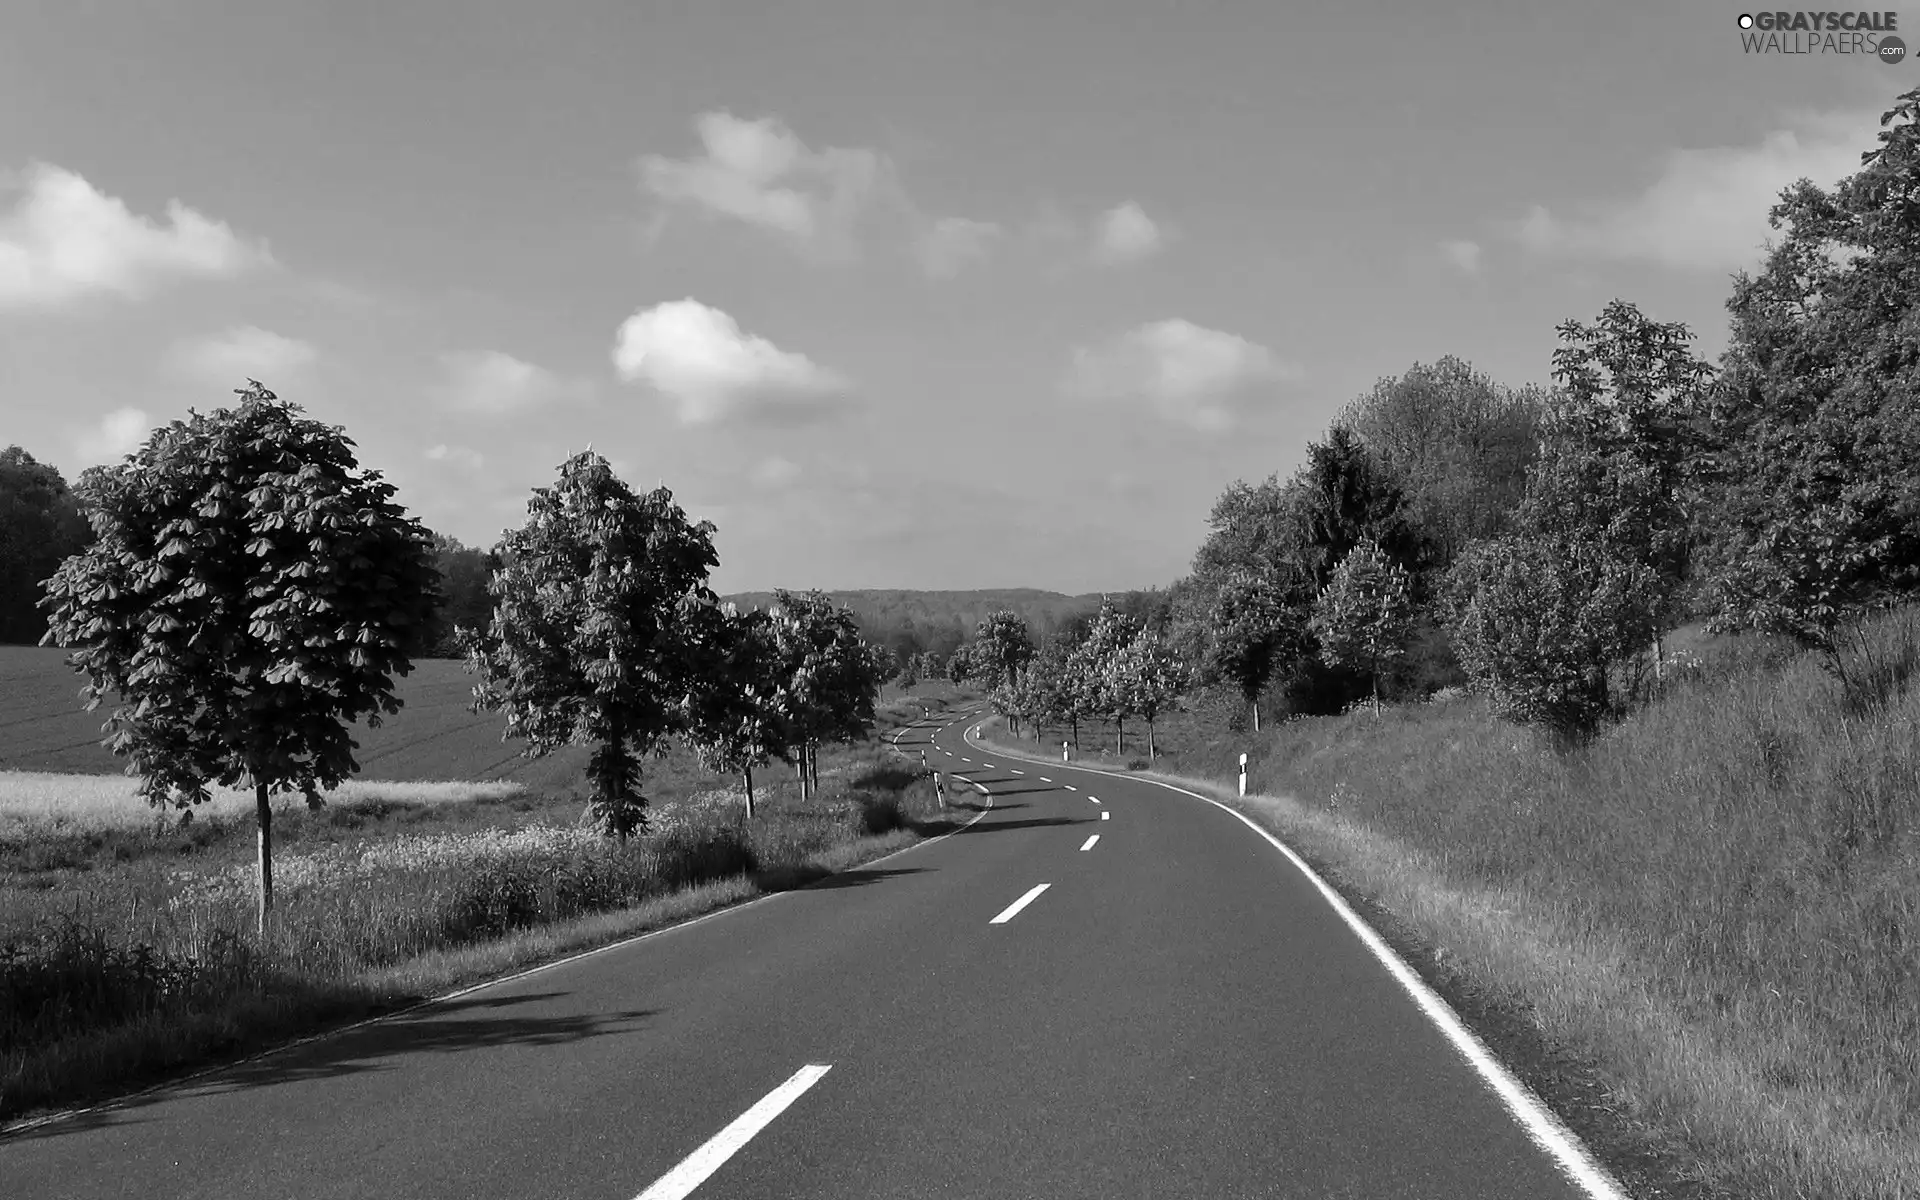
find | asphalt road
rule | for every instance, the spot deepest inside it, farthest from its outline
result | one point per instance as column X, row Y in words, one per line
column 1178, row 1012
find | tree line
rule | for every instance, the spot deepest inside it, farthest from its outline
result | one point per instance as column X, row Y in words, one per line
column 249, row 593
column 1539, row 543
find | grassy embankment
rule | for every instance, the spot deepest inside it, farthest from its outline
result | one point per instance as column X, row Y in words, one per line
column 125, row 947
column 1711, row 909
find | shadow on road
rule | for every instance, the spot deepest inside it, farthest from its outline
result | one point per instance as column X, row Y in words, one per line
column 861, row 877
column 480, row 1023
column 991, row 826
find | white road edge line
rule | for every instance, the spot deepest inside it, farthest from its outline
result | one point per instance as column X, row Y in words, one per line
column 1013, row 910
column 964, row 758
column 696, row 1167
column 1088, row 844
column 1542, row 1125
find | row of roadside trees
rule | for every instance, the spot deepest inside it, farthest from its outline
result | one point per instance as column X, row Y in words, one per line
column 250, row 594
column 1117, row 669
column 1539, row 544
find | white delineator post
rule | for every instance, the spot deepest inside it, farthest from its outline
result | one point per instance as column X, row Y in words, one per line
column 1063, row 752
column 1243, row 774
column 938, row 790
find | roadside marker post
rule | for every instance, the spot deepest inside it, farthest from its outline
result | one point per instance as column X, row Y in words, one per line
column 1243, row 774
column 938, row 790
column 1063, row 752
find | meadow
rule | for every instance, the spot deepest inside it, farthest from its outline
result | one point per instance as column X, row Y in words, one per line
column 126, row 945
column 1712, row 905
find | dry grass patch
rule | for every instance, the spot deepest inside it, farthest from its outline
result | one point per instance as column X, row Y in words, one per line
column 33, row 803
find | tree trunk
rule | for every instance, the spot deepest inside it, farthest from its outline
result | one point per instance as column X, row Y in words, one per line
column 263, row 814
column 813, row 765
column 1149, row 739
column 1120, row 736
column 749, row 774
column 1076, row 731
column 1376, row 694
column 800, row 770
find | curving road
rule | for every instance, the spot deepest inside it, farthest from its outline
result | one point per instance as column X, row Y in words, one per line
column 1099, row 988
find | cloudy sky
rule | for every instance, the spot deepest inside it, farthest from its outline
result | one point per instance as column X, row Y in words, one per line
column 897, row 293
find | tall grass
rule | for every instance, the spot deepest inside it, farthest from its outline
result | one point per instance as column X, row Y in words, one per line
column 134, row 975
column 1719, row 893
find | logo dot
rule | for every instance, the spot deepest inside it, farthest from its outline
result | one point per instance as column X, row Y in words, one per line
column 1892, row 49
column 1746, row 20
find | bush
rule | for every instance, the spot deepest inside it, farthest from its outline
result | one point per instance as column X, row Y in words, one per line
column 1541, row 621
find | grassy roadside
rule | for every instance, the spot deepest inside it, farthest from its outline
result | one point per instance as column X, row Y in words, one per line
column 1694, row 938
column 98, row 1004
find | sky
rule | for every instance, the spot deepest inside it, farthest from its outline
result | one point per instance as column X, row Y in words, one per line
column 896, row 293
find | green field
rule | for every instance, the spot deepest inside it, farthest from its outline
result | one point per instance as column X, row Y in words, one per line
column 43, row 727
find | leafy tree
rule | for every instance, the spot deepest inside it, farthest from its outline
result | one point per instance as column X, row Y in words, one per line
column 1542, row 620
column 829, row 676
column 249, row 595
column 931, row 665
column 40, row 526
column 1093, row 662
column 465, row 573
column 1457, row 443
column 1254, row 633
column 1816, row 462
column 960, row 663
column 735, row 719
column 1364, row 617
column 906, row 670
column 1150, row 680
column 594, row 635
column 1001, row 647
column 1252, row 528
column 1617, row 467
column 1344, row 496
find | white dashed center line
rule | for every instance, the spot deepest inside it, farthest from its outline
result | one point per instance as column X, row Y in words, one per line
column 1088, row 844
column 1044, row 779
column 1104, row 814
column 696, row 1167
column 1013, row 910
column 1095, row 799
column 1070, row 787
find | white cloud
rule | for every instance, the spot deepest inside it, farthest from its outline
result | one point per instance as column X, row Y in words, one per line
column 759, row 172
column 471, row 459
column 242, row 353
column 64, row 239
column 1462, row 254
column 775, row 472
column 947, row 245
column 1707, row 209
column 1186, row 373
column 701, row 359
column 494, row 383
column 1125, row 234
column 119, row 433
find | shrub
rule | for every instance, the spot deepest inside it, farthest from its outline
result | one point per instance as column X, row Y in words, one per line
column 1542, row 620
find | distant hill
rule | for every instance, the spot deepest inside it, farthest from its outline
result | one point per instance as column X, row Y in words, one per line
column 892, row 608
